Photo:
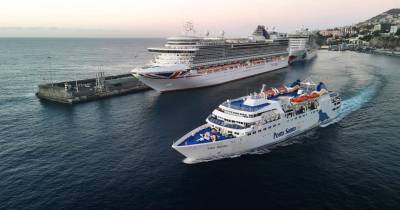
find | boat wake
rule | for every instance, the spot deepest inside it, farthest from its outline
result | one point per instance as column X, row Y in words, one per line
column 356, row 102
column 194, row 161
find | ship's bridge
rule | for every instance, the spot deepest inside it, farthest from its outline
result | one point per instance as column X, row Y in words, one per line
column 240, row 114
column 250, row 105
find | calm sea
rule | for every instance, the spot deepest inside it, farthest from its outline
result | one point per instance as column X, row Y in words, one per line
column 116, row 153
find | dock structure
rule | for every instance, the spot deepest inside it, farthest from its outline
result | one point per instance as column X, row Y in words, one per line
column 72, row 92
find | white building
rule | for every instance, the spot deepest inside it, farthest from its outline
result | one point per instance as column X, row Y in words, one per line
column 393, row 29
column 377, row 27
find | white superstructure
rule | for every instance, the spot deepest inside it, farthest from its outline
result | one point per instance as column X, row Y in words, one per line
column 191, row 62
column 302, row 46
column 260, row 119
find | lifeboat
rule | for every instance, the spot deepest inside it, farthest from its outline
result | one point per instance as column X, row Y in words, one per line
column 305, row 97
column 299, row 99
column 313, row 95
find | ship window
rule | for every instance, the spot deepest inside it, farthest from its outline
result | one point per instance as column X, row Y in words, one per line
column 248, row 134
column 254, row 132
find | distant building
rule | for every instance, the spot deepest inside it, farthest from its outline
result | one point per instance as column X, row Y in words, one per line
column 377, row 27
column 330, row 32
column 348, row 30
column 393, row 29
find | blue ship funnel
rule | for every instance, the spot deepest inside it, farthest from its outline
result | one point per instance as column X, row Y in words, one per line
column 321, row 86
column 297, row 82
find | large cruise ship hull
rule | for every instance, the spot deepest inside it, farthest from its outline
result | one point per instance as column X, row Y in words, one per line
column 301, row 55
column 204, row 80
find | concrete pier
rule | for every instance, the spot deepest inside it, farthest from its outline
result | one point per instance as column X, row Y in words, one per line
column 71, row 92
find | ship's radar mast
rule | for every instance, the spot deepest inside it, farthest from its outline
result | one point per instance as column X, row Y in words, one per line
column 188, row 27
column 222, row 34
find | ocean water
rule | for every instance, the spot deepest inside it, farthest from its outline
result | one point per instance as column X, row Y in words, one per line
column 116, row 153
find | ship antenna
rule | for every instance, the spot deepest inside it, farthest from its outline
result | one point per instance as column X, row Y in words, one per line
column 188, row 27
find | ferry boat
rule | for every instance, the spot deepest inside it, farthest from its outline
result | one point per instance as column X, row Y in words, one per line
column 189, row 61
column 302, row 46
column 260, row 119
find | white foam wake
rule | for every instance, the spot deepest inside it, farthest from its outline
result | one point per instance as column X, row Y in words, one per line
column 356, row 102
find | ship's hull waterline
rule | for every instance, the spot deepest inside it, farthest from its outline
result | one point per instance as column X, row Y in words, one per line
column 240, row 145
column 210, row 79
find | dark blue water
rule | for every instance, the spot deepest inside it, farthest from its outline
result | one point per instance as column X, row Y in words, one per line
column 116, row 154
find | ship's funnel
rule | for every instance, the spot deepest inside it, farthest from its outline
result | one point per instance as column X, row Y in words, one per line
column 321, row 86
column 260, row 31
column 297, row 82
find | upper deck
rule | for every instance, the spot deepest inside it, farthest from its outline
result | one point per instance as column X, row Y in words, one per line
column 239, row 104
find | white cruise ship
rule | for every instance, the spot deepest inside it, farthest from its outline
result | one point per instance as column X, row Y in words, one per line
column 187, row 62
column 260, row 119
column 302, row 46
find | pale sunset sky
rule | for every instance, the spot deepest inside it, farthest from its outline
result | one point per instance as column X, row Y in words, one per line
column 162, row 18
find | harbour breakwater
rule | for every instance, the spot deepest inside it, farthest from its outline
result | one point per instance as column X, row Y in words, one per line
column 72, row 92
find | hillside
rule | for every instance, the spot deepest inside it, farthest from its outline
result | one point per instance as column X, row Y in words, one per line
column 391, row 17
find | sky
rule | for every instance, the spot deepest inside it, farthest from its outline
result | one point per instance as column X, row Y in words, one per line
column 163, row 18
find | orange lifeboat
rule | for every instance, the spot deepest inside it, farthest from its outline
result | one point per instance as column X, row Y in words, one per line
column 313, row 95
column 303, row 98
column 299, row 99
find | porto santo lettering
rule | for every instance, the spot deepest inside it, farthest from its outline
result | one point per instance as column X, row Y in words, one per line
column 282, row 133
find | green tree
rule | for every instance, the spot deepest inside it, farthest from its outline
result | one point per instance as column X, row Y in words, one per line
column 375, row 33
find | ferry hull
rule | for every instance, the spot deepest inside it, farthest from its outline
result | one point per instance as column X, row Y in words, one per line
column 211, row 79
column 282, row 130
column 240, row 145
